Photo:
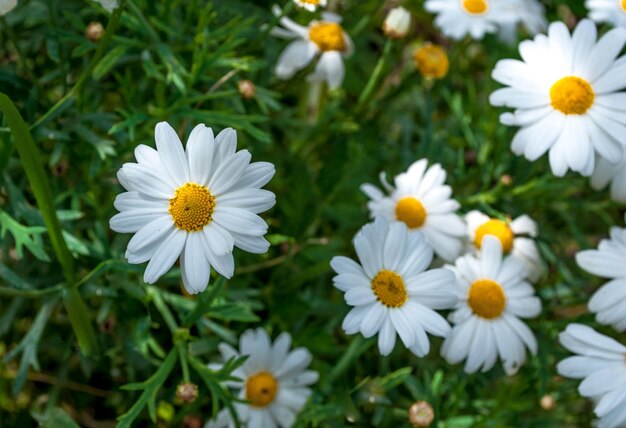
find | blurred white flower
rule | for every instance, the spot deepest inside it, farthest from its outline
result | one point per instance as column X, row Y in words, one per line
column 515, row 236
column 493, row 294
column 601, row 364
column 422, row 201
column 196, row 204
column 610, row 11
column 614, row 173
column 565, row 92
column 531, row 15
column 608, row 261
column 324, row 39
column 391, row 290
column 397, row 23
column 459, row 18
column 274, row 380
column 310, row 5
column 7, row 6
column 109, row 5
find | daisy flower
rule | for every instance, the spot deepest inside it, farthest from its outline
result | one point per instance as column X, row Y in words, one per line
column 600, row 363
column 608, row 261
column 516, row 238
column 391, row 290
column 611, row 11
column 7, row 6
column 310, row 5
column 196, row 203
column 274, row 380
column 458, row 18
column 493, row 294
column 432, row 61
column 531, row 15
column 422, row 202
column 614, row 173
column 324, row 39
column 565, row 92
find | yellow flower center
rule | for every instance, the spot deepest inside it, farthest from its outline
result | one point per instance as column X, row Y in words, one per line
column 389, row 289
column 497, row 228
column 411, row 211
column 572, row 95
column 313, row 2
column 328, row 36
column 475, row 7
column 432, row 61
column 486, row 298
column 261, row 389
column 191, row 207
column 622, row 4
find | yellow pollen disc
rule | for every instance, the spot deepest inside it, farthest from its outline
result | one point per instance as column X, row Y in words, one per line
column 475, row 7
column 389, row 289
column 328, row 36
column 622, row 4
column 261, row 388
column 313, row 2
column 572, row 95
column 411, row 211
column 191, row 207
column 432, row 61
column 486, row 298
column 497, row 228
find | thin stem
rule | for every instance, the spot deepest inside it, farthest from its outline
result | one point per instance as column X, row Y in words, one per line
column 376, row 74
column 184, row 365
column 31, row 294
column 163, row 309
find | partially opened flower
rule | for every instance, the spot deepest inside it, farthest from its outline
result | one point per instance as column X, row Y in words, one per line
column 493, row 295
column 397, row 23
column 608, row 261
column 421, row 201
column 196, row 203
column 516, row 238
column 614, row 173
column 610, row 11
column 459, row 18
column 274, row 380
column 324, row 39
column 310, row 5
column 391, row 289
column 566, row 96
column 601, row 363
column 7, row 6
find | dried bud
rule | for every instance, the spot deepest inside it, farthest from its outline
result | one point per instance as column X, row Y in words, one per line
column 108, row 325
column 431, row 61
column 246, row 89
column 187, row 392
column 547, row 402
column 397, row 23
column 421, row 414
column 506, row 180
column 191, row 421
column 94, row 31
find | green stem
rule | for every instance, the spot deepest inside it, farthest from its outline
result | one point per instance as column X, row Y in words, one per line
column 33, row 166
column 376, row 74
column 165, row 312
column 31, row 294
column 184, row 365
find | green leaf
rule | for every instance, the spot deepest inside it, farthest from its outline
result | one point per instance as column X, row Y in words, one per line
column 25, row 236
column 233, row 311
column 57, row 418
column 203, row 304
column 108, row 61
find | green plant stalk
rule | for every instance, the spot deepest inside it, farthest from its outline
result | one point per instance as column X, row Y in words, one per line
column 376, row 74
column 29, row 155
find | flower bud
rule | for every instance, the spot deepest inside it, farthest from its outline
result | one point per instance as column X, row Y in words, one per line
column 421, row 414
column 431, row 61
column 94, row 31
column 187, row 392
column 547, row 402
column 246, row 89
column 397, row 23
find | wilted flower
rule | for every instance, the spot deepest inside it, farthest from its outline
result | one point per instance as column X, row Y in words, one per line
column 421, row 414
column 94, row 31
column 246, row 89
column 431, row 61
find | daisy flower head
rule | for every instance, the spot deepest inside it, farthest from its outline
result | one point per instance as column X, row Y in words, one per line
column 610, row 11
column 390, row 289
column 608, row 261
column 7, row 6
column 323, row 39
column 493, row 295
column 516, row 238
column 601, row 363
column 310, row 5
column 458, row 18
column 421, row 201
column 614, row 173
column 566, row 94
column 432, row 61
column 196, row 203
column 274, row 381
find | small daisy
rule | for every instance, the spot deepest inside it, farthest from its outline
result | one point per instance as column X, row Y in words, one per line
column 422, row 202
column 324, row 38
column 458, row 18
column 614, row 173
column 516, row 238
column 274, row 381
column 7, row 6
column 391, row 290
column 601, row 363
column 608, row 261
column 196, row 203
column 611, row 11
column 565, row 92
column 493, row 294
column 310, row 5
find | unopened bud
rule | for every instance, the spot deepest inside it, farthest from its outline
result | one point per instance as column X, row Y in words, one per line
column 421, row 414
column 94, row 31
column 431, row 61
column 397, row 23
column 247, row 89
column 506, row 180
column 547, row 402
column 187, row 392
